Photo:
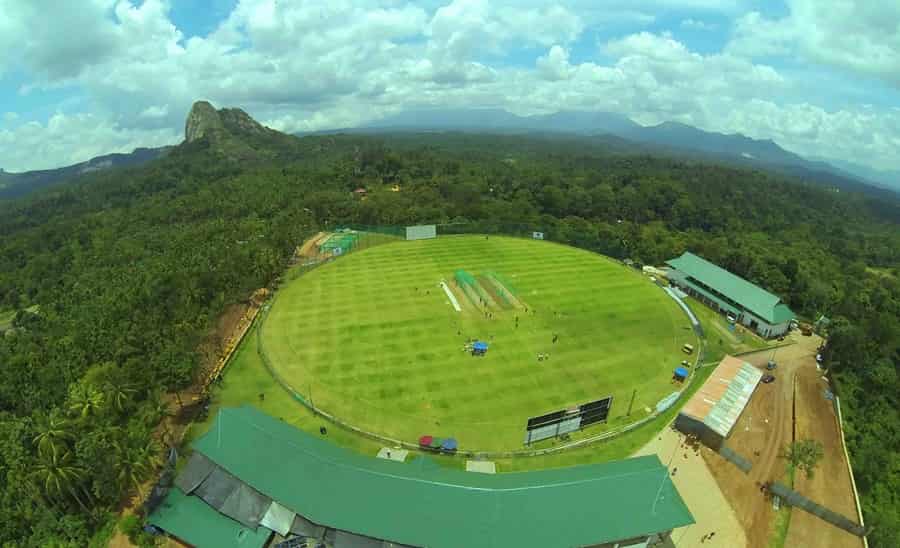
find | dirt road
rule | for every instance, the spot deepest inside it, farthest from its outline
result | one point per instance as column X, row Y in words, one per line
column 698, row 488
column 763, row 428
column 830, row 485
column 762, row 431
column 215, row 349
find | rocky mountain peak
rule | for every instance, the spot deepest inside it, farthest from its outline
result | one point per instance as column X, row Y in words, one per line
column 201, row 120
column 231, row 133
column 204, row 119
column 236, row 120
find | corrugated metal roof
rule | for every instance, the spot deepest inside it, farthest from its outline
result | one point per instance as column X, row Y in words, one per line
column 782, row 314
column 724, row 395
column 750, row 296
column 197, row 469
column 437, row 507
column 722, row 304
column 278, row 518
column 193, row 521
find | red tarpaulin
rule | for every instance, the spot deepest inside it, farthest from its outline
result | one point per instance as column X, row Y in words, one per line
column 425, row 441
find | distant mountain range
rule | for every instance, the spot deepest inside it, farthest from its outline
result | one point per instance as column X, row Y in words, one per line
column 13, row 185
column 670, row 138
column 616, row 130
column 887, row 179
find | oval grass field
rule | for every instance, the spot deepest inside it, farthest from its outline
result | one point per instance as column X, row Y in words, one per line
column 373, row 339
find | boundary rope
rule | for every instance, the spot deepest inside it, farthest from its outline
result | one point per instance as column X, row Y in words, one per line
column 261, row 320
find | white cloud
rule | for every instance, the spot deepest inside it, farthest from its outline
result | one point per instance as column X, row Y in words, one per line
column 69, row 139
column 555, row 65
column 57, row 40
column 466, row 30
column 860, row 37
column 305, row 66
column 155, row 111
column 755, row 35
column 858, row 135
column 10, row 117
column 696, row 24
column 663, row 65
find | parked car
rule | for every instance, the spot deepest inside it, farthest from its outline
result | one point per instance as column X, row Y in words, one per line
column 768, row 378
column 771, row 365
column 731, row 318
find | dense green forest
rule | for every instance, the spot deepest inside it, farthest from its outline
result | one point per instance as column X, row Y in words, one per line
column 130, row 269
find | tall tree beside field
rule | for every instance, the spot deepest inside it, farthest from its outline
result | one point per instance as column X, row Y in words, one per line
column 803, row 455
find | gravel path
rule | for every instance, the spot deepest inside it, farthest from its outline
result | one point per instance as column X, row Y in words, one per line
column 700, row 492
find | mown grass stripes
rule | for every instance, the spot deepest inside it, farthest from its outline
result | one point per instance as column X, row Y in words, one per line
column 374, row 339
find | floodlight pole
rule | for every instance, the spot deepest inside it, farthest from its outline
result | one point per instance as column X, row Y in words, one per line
column 633, row 394
column 662, row 482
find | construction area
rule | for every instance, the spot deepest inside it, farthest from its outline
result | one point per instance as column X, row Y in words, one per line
column 711, row 413
column 795, row 407
column 737, row 505
column 324, row 246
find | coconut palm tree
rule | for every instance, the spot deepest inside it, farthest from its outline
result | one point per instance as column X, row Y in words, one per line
column 162, row 410
column 136, row 463
column 85, row 400
column 118, row 394
column 53, row 433
column 58, row 475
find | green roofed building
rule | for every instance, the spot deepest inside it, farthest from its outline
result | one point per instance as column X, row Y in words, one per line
column 193, row 521
column 750, row 304
column 389, row 503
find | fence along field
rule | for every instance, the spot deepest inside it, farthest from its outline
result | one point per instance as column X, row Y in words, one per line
column 373, row 339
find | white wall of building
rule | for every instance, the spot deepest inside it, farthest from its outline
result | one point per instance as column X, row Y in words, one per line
column 762, row 327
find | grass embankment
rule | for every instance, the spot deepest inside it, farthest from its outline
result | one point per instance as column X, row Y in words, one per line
column 782, row 522
column 720, row 340
column 616, row 448
column 247, row 378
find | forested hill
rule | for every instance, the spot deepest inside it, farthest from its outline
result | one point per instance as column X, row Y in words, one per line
column 13, row 185
column 130, row 269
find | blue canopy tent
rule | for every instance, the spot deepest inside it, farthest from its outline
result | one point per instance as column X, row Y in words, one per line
column 479, row 348
column 449, row 445
column 681, row 373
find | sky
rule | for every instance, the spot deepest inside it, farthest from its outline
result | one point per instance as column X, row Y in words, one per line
column 79, row 79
